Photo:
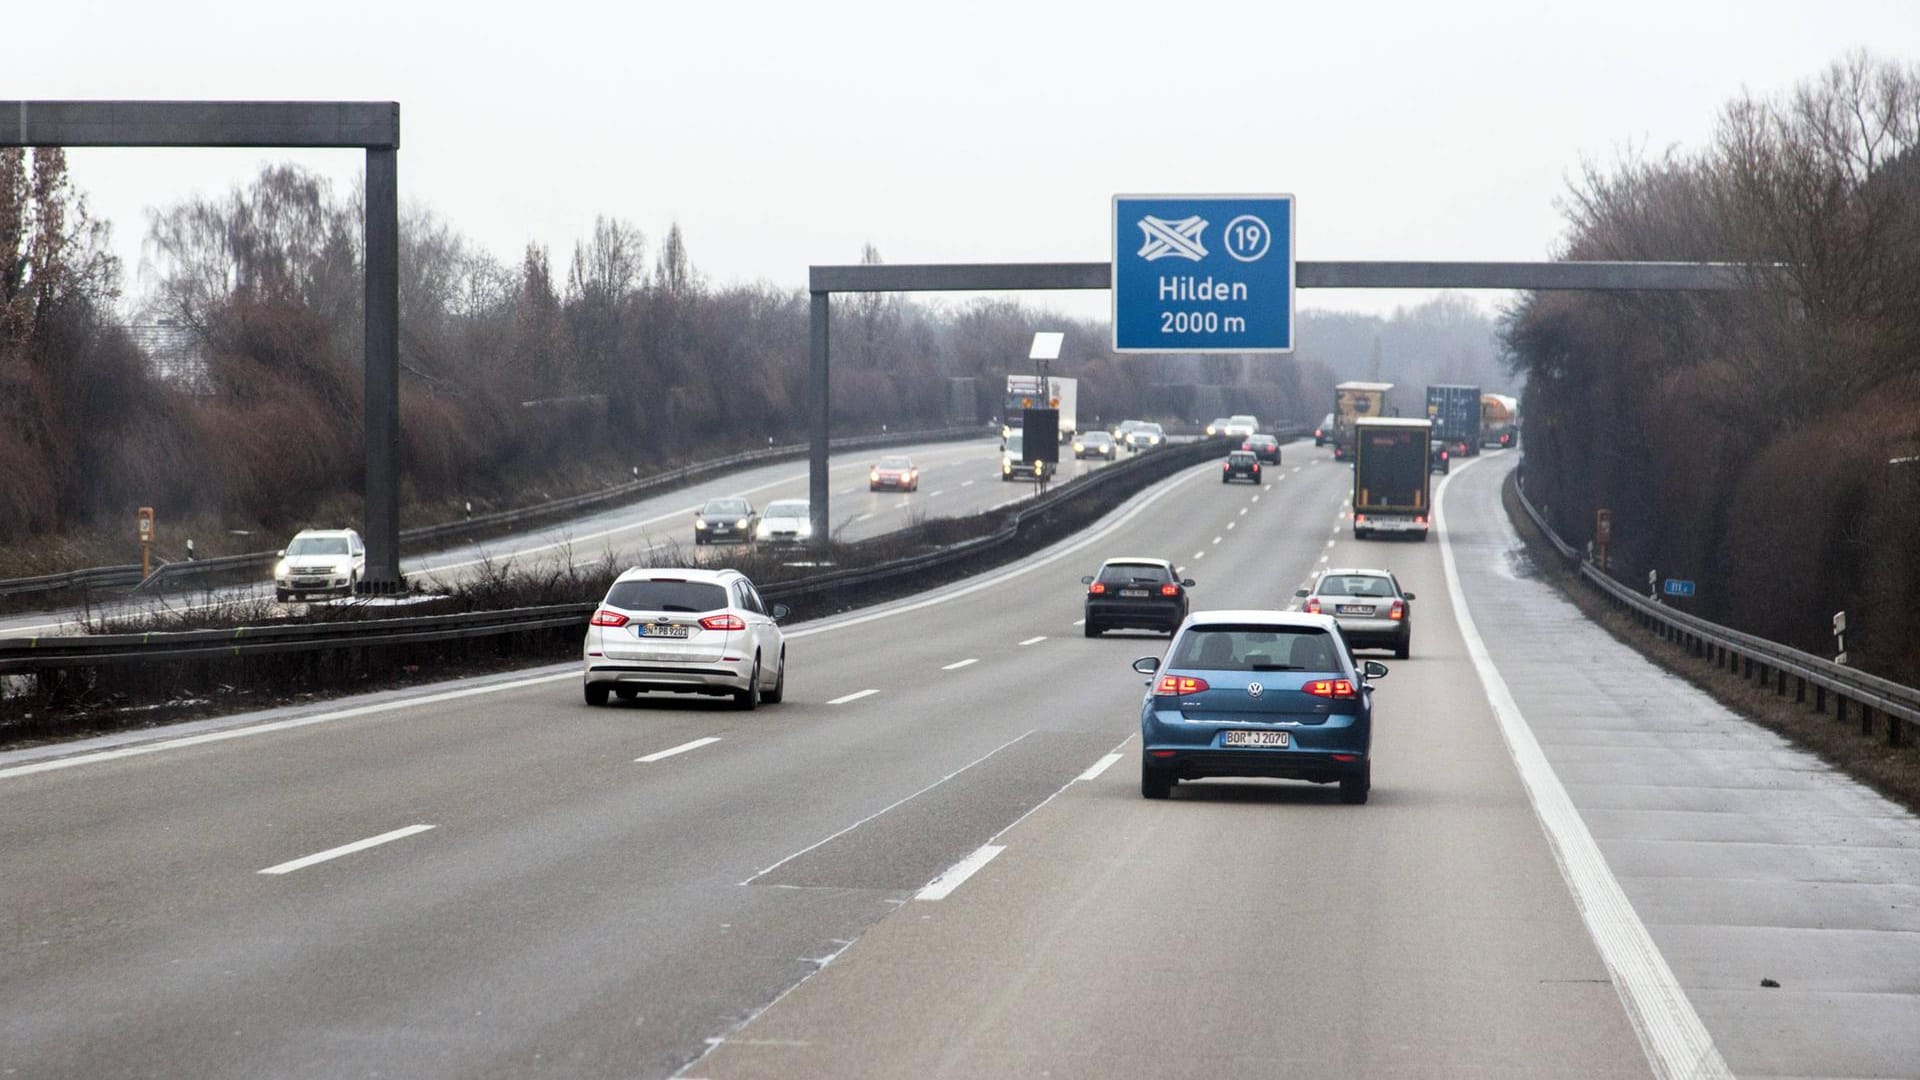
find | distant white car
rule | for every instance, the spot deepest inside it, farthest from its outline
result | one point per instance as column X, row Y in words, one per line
column 685, row 631
column 319, row 561
column 1240, row 425
column 785, row 521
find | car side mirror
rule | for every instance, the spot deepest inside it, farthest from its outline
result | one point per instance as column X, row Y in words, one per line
column 1088, row 580
column 1186, row 583
column 1374, row 669
column 780, row 611
column 1407, row 595
column 1302, row 593
column 1147, row 665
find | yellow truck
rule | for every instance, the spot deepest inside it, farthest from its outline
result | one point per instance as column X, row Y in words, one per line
column 1499, row 420
column 1352, row 402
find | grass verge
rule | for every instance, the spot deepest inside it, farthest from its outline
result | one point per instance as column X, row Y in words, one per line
column 1893, row 771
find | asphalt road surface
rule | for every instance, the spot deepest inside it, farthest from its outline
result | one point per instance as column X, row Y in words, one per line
column 933, row 860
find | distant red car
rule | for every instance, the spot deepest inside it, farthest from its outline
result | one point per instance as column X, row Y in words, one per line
column 895, row 474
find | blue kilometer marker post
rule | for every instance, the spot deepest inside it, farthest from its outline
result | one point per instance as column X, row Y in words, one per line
column 1203, row 273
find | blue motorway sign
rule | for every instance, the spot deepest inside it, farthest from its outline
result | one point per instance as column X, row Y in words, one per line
column 1677, row 587
column 1203, row 273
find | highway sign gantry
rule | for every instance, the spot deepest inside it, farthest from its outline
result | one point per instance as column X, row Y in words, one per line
column 1203, row 273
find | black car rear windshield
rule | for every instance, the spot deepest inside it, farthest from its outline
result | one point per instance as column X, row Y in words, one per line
column 682, row 596
column 724, row 508
column 1355, row 585
column 1221, row 647
column 1134, row 574
column 1242, row 457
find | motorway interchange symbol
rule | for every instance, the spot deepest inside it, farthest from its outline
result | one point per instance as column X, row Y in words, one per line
column 1173, row 238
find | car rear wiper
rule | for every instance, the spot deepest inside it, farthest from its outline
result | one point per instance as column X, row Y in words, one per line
column 676, row 607
column 1277, row 667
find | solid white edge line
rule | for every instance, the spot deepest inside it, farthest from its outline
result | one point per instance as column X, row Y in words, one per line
column 957, row 874
column 958, row 664
column 1676, row 1042
column 887, row 808
column 1035, row 640
column 855, row 696
column 277, row 725
column 345, row 849
column 672, row 750
column 1093, row 771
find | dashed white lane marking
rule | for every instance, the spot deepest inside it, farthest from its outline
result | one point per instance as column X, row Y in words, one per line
column 1093, row 771
column 848, row 491
column 1199, row 555
column 890, row 806
column 1079, row 622
column 958, row 664
column 863, row 517
column 1035, row 640
column 1676, row 1042
column 937, row 494
column 1330, row 543
column 1243, row 511
column 966, row 483
column 959, row 872
column 1323, row 558
column 681, row 749
column 1216, row 539
column 855, row 696
column 1231, row 524
column 1256, row 498
column 346, row 849
column 1296, row 468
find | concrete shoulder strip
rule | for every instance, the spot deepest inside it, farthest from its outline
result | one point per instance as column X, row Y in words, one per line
column 1677, row 1043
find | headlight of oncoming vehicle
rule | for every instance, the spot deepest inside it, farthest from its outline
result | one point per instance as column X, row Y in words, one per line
column 280, row 569
column 699, row 523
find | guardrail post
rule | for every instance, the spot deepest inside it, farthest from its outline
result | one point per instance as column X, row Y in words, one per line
column 1820, row 700
column 1840, row 707
column 1866, row 719
column 1894, row 724
column 1800, row 691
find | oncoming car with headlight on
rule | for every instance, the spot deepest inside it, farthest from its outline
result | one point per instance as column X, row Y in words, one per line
column 785, row 521
column 1257, row 694
column 724, row 520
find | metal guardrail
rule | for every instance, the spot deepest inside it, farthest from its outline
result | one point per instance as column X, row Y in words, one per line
column 35, row 654
column 177, row 572
column 1772, row 663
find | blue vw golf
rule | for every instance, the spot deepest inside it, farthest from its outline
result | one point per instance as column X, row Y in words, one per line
column 1257, row 693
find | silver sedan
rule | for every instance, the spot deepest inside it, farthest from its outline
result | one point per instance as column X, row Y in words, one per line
column 1371, row 608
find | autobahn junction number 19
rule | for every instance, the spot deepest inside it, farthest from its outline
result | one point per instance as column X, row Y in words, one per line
column 1203, row 273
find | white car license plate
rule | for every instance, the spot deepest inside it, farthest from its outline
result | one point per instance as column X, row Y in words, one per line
column 657, row 631
column 1255, row 738
column 1355, row 609
column 1133, row 592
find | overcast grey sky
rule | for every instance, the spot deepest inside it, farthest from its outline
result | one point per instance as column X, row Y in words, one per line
column 785, row 134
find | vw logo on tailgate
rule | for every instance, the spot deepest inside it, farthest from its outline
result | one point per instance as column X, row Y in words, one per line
column 1254, row 689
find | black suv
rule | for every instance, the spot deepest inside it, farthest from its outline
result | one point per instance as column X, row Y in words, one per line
column 1135, row 594
column 1240, row 465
